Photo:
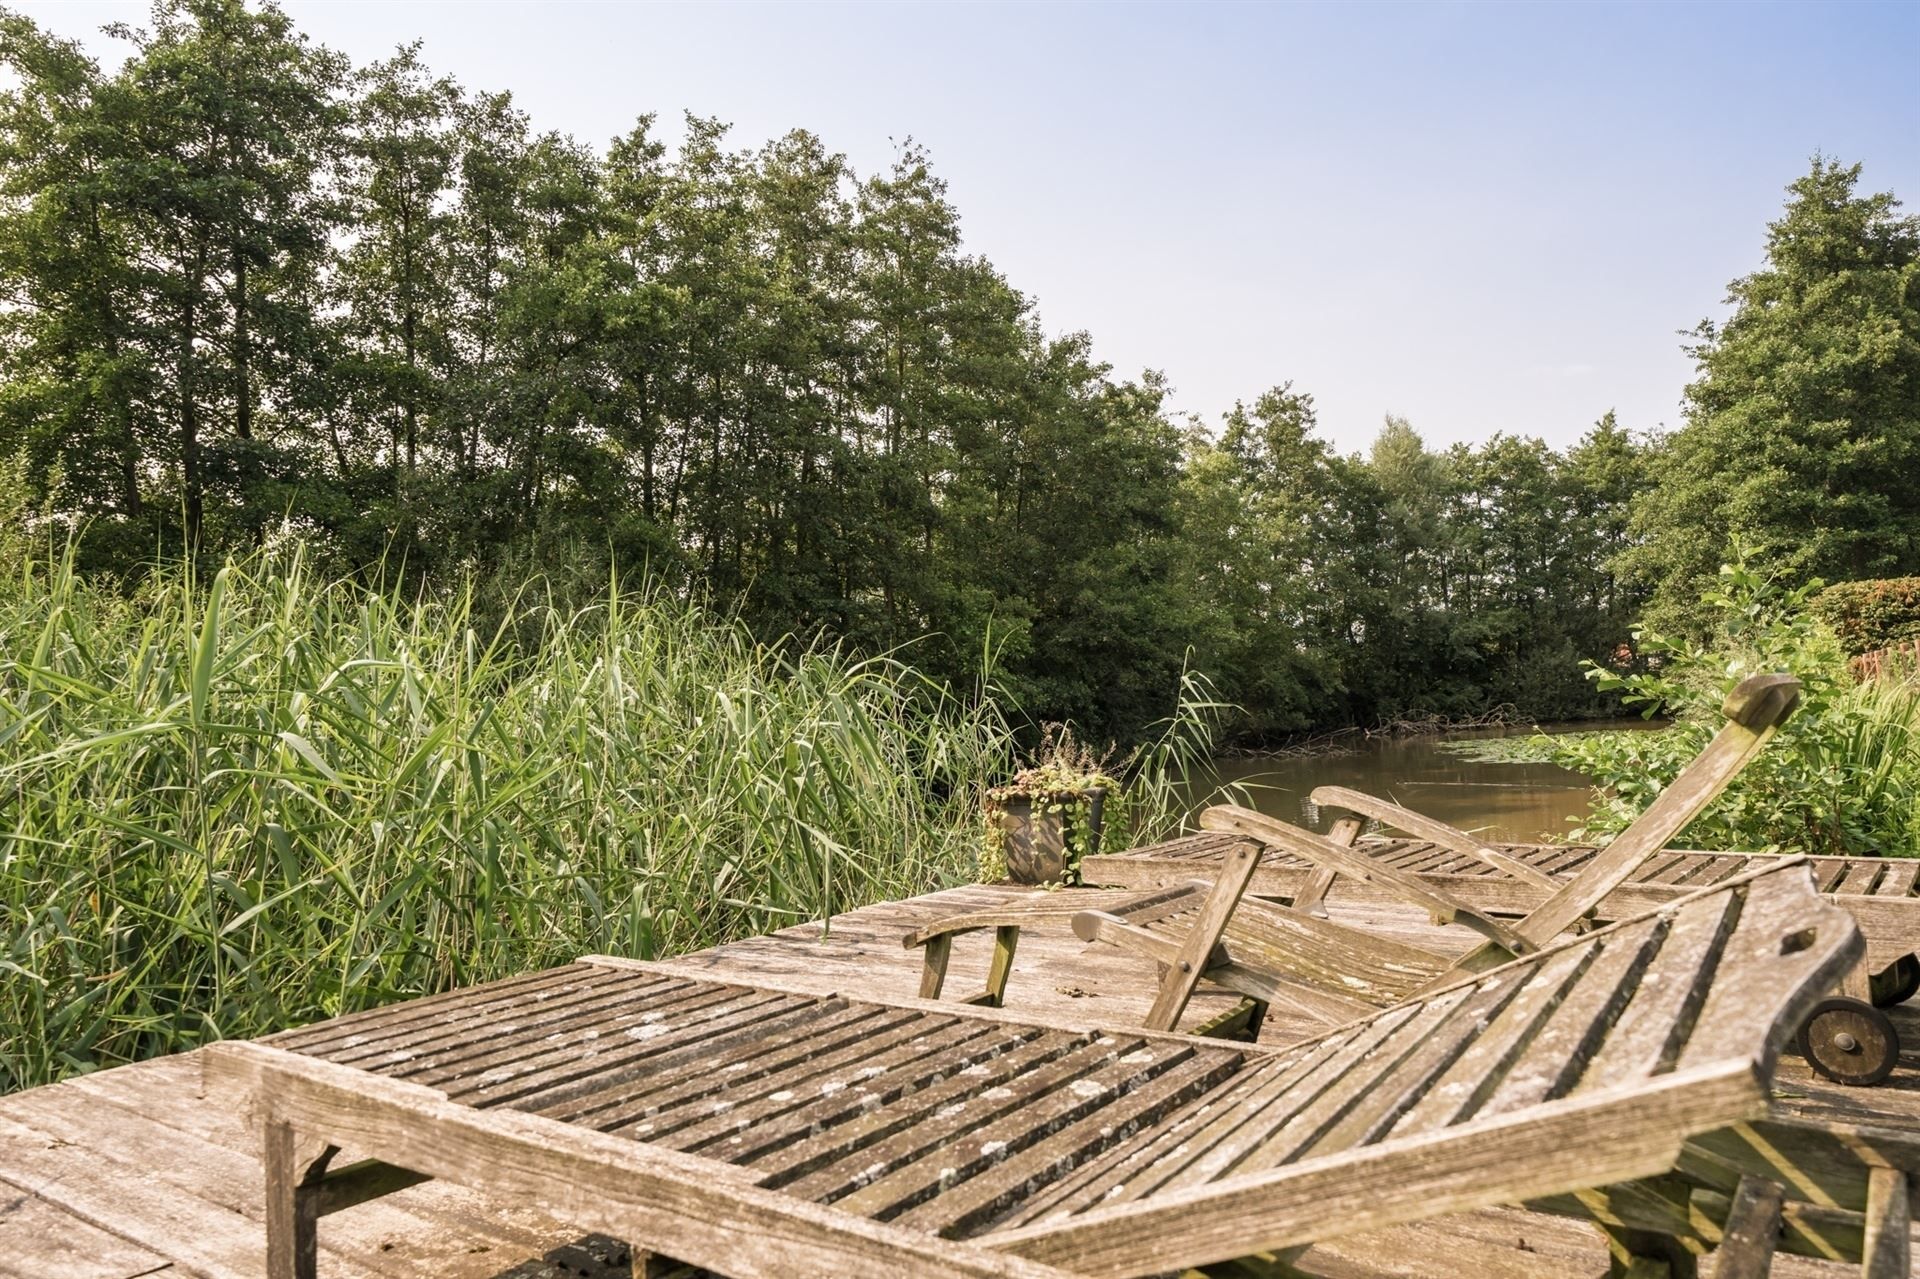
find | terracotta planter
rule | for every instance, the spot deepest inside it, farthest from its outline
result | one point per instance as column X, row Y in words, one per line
column 1036, row 841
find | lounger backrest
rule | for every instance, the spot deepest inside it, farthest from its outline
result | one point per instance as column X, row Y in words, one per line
column 1579, row 1065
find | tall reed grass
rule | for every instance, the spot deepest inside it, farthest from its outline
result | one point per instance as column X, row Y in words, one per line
column 233, row 804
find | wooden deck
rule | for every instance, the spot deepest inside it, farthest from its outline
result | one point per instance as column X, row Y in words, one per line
column 133, row 1172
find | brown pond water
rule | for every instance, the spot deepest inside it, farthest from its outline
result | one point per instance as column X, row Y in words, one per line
column 1501, row 802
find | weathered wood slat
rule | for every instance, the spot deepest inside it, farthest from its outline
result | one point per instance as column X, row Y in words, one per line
column 895, row 1108
column 790, row 1108
column 1650, row 1033
column 41, row 1240
column 796, row 1039
column 1438, row 832
column 472, row 1001
column 1573, row 1030
column 764, row 1101
column 684, row 1206
column 957, row 1210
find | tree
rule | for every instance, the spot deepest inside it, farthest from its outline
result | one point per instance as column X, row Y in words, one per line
column 1803, row 424
column 73, row 346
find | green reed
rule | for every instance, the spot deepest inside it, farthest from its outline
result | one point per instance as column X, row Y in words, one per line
column 234, row 804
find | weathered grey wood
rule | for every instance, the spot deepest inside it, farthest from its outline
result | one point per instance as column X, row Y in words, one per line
column 1081, row 987
column 680, row 1205
column 41, row 1240
column 938, row 950
column 1231, row 819
column 294, row 1167
column 1413, row 823
column 1604, row 1139
column 1312, row 899
column 1888, row 1207
column 1190, row 961
column 1755, row 710
column 1752, row 1231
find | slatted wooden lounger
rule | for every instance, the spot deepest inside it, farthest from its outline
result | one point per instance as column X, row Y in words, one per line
column 1622, row 1075
column 1266, row 952
column 1846, row 1039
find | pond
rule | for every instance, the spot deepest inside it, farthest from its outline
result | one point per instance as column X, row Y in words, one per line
column 1500, row 801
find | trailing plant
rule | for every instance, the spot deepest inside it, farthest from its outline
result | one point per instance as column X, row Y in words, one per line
column 1155, row 801
column 1841, row 777
column 1063, row 784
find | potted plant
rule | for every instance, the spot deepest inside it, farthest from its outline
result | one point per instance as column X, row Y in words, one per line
column 1044, row 822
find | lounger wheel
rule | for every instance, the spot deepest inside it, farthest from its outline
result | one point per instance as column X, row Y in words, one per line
column 1897, row 982
column 1850, row 1042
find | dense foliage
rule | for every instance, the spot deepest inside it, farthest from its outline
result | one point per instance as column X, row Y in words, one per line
column 251, row 287
column 1841, row 777
column 1871, row 615
column 1803, row 426
column 243, row 803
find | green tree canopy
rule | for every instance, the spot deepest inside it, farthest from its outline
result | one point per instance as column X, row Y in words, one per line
column 1802, row 435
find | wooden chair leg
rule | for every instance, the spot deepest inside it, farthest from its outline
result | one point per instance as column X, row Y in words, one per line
column 1652, row 1254
column 1313, row 898
column 1005, row 939
column 1885, row 1254
column 1752, row 1233
column 933, row 968
column 1190, row 963
column 294, row 1167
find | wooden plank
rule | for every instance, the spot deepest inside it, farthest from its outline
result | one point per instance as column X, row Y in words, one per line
column 1460, row 1089
column 1650, row 1033
column 787, row 1108
column 840, row 1136
column 1312, row 898
column 1888, row 1222
column 857, row 1028
column 1035, row 1114
column 1220, row 1149
column 960, row 1209
column 1439, row 832
column 41, row 1240
column 1569, row 1033
column 1796, row 944
column 460, row 1046
column 1604, row 1138
column 1189, row 963
column 697, row 1210
column 1862, row 874
column 475, row 1002
column 115, row 1197
column 1753, row 1228
column 1323, row 852
column 1378, row 1080
column 1899, row 879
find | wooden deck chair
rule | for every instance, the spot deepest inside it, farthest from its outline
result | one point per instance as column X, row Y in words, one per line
column 1267, row 952
column 1621, row 1076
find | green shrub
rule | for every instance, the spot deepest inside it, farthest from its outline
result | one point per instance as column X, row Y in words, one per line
column 1842, row 776
column 1871, row 615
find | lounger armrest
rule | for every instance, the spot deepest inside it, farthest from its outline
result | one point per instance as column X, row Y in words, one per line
column 1416, row 824
column 1232, row 819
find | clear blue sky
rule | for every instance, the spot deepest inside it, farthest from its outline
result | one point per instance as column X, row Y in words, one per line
column 1483, row 217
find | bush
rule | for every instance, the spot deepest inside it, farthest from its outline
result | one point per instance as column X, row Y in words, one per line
column 1871, row 615
column 1842, row 776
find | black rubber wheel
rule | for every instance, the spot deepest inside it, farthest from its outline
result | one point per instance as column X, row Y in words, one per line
column 1897, row 982
column 1850, row 1042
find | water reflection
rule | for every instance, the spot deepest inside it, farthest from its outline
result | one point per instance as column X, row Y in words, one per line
column 1498, row 801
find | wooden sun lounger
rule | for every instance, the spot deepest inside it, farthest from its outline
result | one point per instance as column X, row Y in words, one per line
column 1622, row 1076
column 1331, row 972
